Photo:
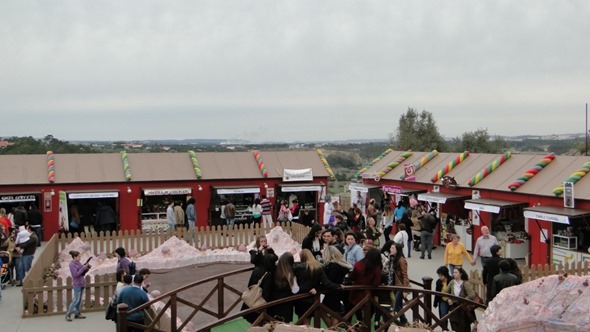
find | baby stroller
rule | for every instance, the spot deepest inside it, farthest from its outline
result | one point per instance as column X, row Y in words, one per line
column 5, row 275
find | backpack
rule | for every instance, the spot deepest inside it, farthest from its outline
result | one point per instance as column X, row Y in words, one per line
column 132, row 268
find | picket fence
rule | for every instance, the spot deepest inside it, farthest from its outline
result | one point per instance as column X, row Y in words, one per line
column 45, row 294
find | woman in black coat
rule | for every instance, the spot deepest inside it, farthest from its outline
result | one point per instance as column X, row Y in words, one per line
column 311, row 279
column 264, row 259
column 312, row 241
column 336, row 268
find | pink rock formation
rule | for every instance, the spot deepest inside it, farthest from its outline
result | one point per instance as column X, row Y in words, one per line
column 553, row 303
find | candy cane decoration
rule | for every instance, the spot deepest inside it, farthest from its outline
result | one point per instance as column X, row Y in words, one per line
column 532, row 172
column 126, row 168
column 261, row 165
column 450, row 166
column 195, row 162
column 50, row 167
column 577, row 175
column 394, row 164
column 492, row 167
column 326, row 165
column 428, row 157
column 379, row 157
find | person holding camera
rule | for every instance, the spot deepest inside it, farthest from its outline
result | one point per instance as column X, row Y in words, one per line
column 78, row 271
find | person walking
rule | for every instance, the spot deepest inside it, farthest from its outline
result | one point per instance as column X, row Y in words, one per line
column 483, row 245
column 266, row 211
column 170, row 216
column 387, row 221
column 256, row 211
column 454, row 253
column 503, row 280
column 191, row 214
column 461, row 287
column 78, row 271
column 29, row 247
column 428, row 224
column 328, row 209
column 440, row 301
column 398, row 276
column 230, row 214
column 178, row 215
column 490, row 270
column 106, row 219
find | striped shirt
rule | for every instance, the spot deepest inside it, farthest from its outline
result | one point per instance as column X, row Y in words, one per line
column 266, row 206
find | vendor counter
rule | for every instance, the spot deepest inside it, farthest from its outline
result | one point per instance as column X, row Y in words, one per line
column 515, row 244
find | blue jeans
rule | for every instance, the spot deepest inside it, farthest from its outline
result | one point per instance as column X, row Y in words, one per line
column 230, row 223
column 443, row 309
column 23, row 265
column 76, row 302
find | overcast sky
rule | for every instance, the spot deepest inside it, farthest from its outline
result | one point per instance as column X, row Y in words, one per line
column 290, row 70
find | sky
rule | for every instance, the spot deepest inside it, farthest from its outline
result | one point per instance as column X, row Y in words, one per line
column 270, row 70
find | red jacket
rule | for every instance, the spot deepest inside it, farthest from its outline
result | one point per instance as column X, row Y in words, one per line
column 360, row 276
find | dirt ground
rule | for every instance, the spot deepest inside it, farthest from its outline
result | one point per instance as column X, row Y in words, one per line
column 168, row 280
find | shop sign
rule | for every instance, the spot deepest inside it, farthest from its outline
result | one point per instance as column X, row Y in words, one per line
column 482, row 207
column 112, row 194
column 432, row 199
column 371, row 175
column 17, row 198
column 167, row 191
column 361, row 189
column 270, row 192
column 409, row 172
column 568, row 195
column 392, row 189
column 290, row 175
column 301, row 188
column 547, row 216
column 47, row 202
column 229, row 191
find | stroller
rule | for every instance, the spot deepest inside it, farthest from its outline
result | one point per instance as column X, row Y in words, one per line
column 5, row 274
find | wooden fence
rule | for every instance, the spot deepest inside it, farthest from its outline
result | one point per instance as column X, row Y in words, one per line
column 534, row 272
column 45, row 295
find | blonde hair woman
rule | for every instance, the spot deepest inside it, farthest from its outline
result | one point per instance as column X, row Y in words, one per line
column 336, row 268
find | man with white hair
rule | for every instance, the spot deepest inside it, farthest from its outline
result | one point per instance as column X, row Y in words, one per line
column 483, row 245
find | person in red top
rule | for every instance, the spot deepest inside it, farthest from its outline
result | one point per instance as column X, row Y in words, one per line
column 367, row 271
column 4, row 221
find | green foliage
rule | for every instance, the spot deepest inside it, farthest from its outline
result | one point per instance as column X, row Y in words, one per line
column 479, row 141
column 30, row 145
column 340, row 159
column 418, row 132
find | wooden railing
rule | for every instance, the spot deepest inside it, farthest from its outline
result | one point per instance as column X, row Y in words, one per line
column 418, row 303
column 44, row 294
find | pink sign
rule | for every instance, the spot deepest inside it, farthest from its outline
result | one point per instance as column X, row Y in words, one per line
column 392, row 189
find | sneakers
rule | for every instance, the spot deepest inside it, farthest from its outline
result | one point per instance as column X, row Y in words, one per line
column 79, row 317
column 422, row 257
column 68, row 318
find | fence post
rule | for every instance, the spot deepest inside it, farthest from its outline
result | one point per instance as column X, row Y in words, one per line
column 122, row 317
column 427, row 282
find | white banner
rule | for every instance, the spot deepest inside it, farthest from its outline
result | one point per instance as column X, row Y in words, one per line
column 17, row 198
column 300, row 188
column 290, row 175
column 64, row 219
column 112, row 194
column 167, row 191
column 547, row 216
column 482, row 207
column 432, row 199
column 227, row 191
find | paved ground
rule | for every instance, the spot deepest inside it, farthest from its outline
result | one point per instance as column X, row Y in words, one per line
column 10, row 307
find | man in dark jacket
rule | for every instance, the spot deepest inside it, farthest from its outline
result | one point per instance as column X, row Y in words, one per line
column 20, row 216
column 490, row 270
column 106, row 219
column 36, row 221
column 428, row 223
column 503, row 280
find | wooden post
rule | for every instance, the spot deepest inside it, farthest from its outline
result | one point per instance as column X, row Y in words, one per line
column 427, row 282
column 122, row 317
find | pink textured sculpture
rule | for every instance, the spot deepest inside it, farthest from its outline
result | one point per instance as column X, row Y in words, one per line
column 554, row 303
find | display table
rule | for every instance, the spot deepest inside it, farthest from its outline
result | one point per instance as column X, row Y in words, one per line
column 516, row 250
column 565, row 242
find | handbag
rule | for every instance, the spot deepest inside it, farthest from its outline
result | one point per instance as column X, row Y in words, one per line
column 471, row 307
column 111, row 313
column 252, row 297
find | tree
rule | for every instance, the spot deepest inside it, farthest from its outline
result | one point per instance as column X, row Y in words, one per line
column 417, row 132
column 480, row 141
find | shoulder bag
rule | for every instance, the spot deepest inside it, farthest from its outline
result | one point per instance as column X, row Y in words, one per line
column 252, row 297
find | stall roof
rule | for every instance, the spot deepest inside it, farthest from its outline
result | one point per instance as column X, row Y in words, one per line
column 490, row 205
column 23, row 169
column 440, row 198
column 556, row 214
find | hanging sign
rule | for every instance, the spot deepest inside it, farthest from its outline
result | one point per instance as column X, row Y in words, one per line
column 568, row 195
column 392, row 189
column 290, row 175
column 409, row 172
column 17, row 198
column 167, row 191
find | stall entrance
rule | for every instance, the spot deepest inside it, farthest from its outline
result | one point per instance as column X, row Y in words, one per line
column 241, row 197
column 506, row 224
column 452, row 217
column 154, row 203
column 299, row 197
column 94, row 211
